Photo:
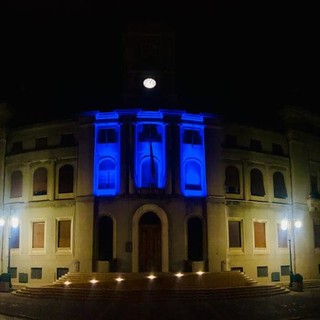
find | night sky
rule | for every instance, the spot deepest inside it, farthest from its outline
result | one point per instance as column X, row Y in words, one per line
column 230, row 57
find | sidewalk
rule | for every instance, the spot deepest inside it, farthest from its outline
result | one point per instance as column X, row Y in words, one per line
column 294, row 305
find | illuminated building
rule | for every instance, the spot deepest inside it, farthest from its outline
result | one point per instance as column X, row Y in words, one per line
column 133, row 190
column 161, row 190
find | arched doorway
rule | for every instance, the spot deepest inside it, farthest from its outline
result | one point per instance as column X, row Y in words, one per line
column 163, row 222
column 149, row 243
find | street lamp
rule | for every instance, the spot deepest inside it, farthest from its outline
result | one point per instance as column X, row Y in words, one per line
column 13, row 223
column 2, row 223
column 287, row 225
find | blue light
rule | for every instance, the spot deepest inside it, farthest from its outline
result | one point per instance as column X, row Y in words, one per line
column 150, row 165
column 150, row 151
column 192, row 117
column 149, row 115
column 193, row 168
column 107, row 159
column 107, row 115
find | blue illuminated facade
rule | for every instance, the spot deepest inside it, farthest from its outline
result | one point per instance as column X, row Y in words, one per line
column 149, row 161
column 107, row 157
column 192, row 157
column 150, row 156
column 159, row 191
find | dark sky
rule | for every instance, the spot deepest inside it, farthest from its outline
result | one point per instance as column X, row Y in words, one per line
column 229, row 55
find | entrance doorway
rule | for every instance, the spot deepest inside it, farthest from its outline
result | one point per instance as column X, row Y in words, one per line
column 149, row 243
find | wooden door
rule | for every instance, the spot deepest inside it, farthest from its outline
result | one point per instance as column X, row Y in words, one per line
column 150, row 248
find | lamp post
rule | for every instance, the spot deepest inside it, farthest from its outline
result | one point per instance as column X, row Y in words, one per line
column 13, row 223
column 2, row 223
column 287, row 225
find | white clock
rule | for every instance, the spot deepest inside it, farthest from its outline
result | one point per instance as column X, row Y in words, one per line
column 149, row 83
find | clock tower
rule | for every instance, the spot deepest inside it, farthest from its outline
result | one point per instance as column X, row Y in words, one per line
column 149, row 66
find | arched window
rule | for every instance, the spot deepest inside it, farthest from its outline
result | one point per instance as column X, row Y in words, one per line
column 232, row 182
column 257, row 186
column 192, row 175
column 107, row 174
column 150, row 156
column 192, row 159
column 40, row 179
column 279, row 186
column 105, row 251
column 66, row 179
column 16, row 184
column 195, row 239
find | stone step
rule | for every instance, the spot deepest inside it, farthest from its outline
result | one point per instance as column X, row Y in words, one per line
column 55, row 292
column 208, row 279
column 307, row 284
column 312, row 283
column 209, row 285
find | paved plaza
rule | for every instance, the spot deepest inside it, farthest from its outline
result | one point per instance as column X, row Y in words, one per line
column 290, row 306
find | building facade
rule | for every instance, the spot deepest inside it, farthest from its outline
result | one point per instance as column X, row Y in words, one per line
column 134, row 190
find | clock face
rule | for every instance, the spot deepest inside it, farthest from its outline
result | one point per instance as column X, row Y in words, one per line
column 149, row 83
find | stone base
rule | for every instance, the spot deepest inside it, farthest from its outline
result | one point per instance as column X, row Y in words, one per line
column 297, row 286
column 198, row 266
column 4, row 286
column 103, row 266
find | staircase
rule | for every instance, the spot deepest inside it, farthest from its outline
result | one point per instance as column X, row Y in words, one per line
column 311, row 283
column 165, row 286
column 307, row 284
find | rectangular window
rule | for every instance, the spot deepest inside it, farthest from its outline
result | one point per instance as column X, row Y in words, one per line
column 15, row 237
column 36, row 273
column 234, row 234
column 107, row 136
column 41, row 143
column 262, row 271
column 16, row 184
column 316, row 228
column 255, row 145
column 64, row 234
column 38, row 235
column 285, row 270
column 40, row 181
column 149, row 132
column 192, row 137
column 260, row 235
column 14, row 272
column 314, row 186
column 23, row 277
column 282, row 237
